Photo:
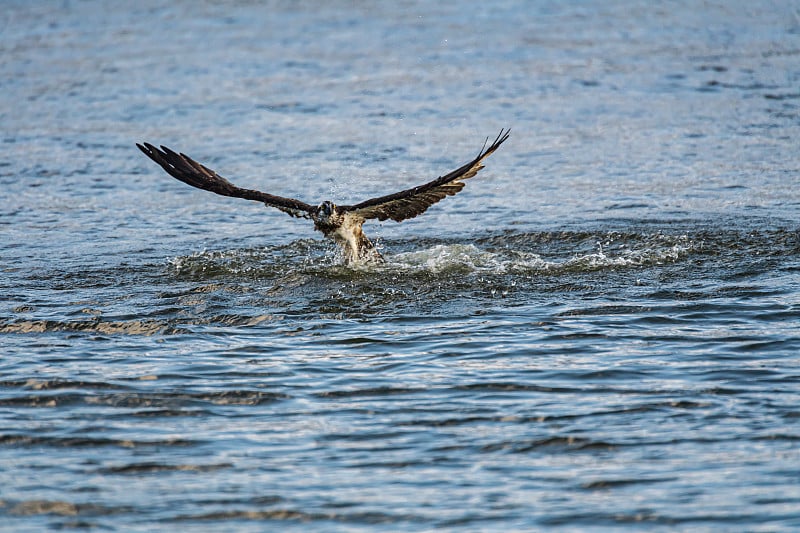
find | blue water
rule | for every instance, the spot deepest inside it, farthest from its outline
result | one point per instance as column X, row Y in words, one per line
column 601, row 331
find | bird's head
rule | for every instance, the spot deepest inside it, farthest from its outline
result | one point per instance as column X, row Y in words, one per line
column 326, row 209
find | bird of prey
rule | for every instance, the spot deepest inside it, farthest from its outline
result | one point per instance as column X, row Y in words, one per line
column 341, row 223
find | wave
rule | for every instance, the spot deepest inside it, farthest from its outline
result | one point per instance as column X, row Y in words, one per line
column 132, row 327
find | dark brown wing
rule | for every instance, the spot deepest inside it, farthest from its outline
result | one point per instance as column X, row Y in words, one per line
column 412, row 202
column 189, row 171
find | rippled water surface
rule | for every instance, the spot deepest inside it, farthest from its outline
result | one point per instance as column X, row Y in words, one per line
column 600, row 331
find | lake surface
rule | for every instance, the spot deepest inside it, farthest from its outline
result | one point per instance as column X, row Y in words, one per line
column 601, row 331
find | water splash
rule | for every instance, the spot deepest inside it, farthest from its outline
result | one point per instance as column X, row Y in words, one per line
column 462, row 258
column 520, row 254
column 470, row 258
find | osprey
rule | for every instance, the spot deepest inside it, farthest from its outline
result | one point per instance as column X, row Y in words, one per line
column 341, row 223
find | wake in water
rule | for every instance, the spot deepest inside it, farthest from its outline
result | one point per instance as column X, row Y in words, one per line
column 305, row 280
column 312, row 257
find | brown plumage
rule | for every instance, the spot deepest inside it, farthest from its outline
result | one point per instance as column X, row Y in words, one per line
column 340, row 223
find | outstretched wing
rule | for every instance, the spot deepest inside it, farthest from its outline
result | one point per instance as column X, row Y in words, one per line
column 189, row 171
column 412, row 202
